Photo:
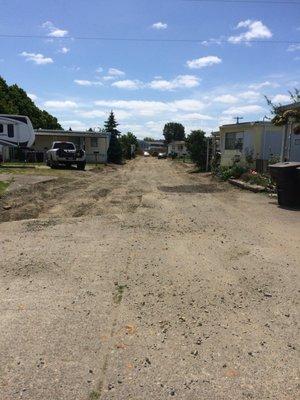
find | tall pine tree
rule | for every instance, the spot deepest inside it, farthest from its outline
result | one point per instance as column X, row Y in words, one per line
column 114, row 153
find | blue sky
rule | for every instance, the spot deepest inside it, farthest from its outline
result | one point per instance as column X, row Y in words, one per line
column 202, row 84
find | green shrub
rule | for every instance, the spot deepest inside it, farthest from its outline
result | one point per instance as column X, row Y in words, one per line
column 235, row 171
column 255, row 178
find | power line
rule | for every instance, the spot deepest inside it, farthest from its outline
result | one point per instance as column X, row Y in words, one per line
column 247, row 1
column 119, row 39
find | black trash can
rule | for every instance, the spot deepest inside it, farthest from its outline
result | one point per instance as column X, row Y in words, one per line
column 286, row 178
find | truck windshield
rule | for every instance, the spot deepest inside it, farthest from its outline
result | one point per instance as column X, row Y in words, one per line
column 64, row 146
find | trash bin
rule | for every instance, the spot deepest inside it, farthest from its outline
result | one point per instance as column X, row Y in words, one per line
column 298, row 178
column 286, row 178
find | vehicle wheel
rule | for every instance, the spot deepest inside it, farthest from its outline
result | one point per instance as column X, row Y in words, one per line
column 81, row 166
column 52, row 165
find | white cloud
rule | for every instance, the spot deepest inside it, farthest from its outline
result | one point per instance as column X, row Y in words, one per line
column 92, row 114
column 180, row 82
column 160, row 25
column 250, row 95
column 99, row 70
column 254, row 30
column 261, row 85
column 131, row 127
column 194, row 117
column 203, row 62
column 64, row 50
column 72, row 68
column 151, row 108
column 226, row 99
column 281, row 98
column 242, row 110
column 74, row 124
column 108, row 78
column 155, row 126
column 128, row 84
column 212, row 41
column 293, row 47
column 187, row 105
column 225, row 121
column 115, row 72
column 54, row 31
column 120, row 114
column 84, row 82
column 32, row 96
column 37, row 58
column 60, row 105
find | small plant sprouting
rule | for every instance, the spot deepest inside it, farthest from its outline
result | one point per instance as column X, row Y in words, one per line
column 119, row 292
column 94, row 395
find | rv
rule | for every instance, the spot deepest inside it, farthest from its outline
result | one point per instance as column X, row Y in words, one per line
column 16, row 131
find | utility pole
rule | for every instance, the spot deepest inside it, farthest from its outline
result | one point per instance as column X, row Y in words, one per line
column 238, row 119
column 207, row 154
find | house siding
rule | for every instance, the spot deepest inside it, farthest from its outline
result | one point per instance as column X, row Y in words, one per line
column 262, row 140
column 94, row 154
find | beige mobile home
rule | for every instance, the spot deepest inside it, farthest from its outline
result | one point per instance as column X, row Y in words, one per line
column 259, row 140
column 95, row 144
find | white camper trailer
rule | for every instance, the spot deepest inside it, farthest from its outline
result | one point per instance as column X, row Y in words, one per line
column 16, row 131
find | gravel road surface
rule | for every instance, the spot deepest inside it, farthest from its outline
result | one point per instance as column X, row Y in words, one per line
column 147, row 282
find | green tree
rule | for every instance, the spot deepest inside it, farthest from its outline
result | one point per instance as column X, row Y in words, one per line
column 173, row 131
column 196, row 145
column 281, row 117
column 126, row 142
column 14, row 100
column 149, row 139
column 6, row 104
column 114, row 153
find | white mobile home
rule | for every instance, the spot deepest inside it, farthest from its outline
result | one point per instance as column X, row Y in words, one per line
column 16, row 130
column 177, row 147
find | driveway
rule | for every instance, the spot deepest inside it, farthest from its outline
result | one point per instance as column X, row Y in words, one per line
column 147, row 282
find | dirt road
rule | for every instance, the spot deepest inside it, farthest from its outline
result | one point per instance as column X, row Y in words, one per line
column 147, row 282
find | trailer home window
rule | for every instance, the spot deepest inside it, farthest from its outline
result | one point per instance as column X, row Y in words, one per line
column 10, row 130
column 234, row 141
column 1, row 128
column 94, row 142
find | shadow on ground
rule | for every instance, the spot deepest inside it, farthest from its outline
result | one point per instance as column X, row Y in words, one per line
column 199, row 188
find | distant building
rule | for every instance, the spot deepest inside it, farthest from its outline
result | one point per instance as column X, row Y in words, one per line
column 260, row 141
column 177, row 147
column 156, row 147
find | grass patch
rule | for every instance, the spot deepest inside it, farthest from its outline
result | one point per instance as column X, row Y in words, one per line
column 94, row 395
column 37, row 225
column 3, row 186
column 119, row 292
column 42, row 169
column 183, row 159
column 19, row 164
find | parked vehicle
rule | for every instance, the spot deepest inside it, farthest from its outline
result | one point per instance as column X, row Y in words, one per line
column 162, row 155
column 146, row 154
column 65, row 154
column 16, row 131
